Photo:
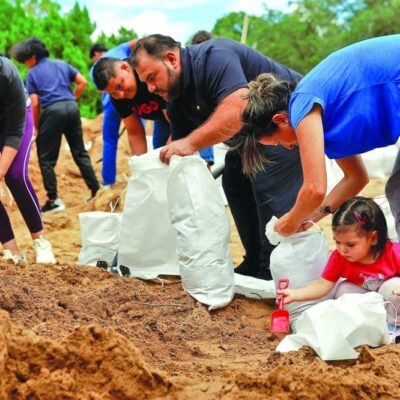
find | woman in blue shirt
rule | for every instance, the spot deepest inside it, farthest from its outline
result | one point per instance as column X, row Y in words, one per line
column 347, row 105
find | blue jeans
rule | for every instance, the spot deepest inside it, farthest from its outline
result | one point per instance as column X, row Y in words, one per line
column 111, row 123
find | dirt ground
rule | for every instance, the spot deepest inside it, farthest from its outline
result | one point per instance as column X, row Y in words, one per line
column 69, row 332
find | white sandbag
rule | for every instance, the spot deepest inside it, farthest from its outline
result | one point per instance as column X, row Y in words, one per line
column 148, row 241
column 384, row 205
column 333, row 173
column 300, row 258
column 379, row 162
column 254, row 288
column 198, row 214
column 99, row 236
column 335, row 327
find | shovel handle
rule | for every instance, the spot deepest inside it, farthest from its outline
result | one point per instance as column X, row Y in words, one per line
column 280, row 305
column 283, row 283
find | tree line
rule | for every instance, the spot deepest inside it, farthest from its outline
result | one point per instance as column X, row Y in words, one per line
column 299, row 38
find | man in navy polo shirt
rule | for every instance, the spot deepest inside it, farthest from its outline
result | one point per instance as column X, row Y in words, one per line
column 205, row 85
column 55, row 112
column 131, row 99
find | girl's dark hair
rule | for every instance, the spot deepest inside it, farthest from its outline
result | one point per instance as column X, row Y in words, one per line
column 366, row 216
column 31, row 47
column 267, row 96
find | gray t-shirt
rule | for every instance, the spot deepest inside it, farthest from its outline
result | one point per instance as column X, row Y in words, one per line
column 13, row 102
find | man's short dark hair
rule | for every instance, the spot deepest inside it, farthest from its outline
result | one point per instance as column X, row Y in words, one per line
column 31, row 47
column 200, row 37
column 103, row 70
column 155, row 45
column 97, row 48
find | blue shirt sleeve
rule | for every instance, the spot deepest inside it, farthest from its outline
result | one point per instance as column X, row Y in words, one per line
column 73, row 72
column 31, row 87
column 300, row 105
column 122, row 51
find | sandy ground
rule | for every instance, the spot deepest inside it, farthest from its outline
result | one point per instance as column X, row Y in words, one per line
column 69, row 332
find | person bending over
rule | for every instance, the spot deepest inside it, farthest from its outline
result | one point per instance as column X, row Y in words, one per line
column 16, row 131
column 55, row 112
column 204, row 85
column 347, row 105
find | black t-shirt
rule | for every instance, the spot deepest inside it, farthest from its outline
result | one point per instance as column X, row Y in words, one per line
column 145, row 104
column 211, row 71
column 13, row 102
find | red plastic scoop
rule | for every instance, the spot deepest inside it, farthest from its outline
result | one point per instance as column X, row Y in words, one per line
column 279, row 322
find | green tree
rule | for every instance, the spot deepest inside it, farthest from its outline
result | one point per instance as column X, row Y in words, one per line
column 231, row 26
column 313, row 29
column 373, row 18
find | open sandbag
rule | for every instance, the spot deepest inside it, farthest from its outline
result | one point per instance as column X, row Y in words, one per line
column 148, row 241
column 199, row 217
column 100, row 233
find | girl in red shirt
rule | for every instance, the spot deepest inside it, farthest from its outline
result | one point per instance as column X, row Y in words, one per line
column 364, row 257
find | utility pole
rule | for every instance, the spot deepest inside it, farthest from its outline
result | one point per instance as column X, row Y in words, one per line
column 245, row 29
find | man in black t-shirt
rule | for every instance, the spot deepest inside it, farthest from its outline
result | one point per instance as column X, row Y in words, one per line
column 204, row 85
column 130, row 98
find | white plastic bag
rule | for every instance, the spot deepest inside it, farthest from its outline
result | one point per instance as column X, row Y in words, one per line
column 383, row 203
column 148, row 241
column 300, row 258
column 333, row 328
column 379, row 162
column 198, row 214
column 99, row 236
column 254, row 288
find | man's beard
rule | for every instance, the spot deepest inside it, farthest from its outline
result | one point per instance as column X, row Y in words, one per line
column 173, row 84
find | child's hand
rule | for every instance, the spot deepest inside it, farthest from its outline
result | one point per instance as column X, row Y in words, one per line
column 288, row 296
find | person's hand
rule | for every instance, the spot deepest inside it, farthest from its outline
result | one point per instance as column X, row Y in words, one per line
column 181, row 147
column 289, row 296
column 286, row 225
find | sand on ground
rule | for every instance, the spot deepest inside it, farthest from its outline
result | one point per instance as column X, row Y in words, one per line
column 75, row 332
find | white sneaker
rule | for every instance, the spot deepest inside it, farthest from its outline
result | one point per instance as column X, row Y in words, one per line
column 44, row 251
column 16, row 258
column 53, row 206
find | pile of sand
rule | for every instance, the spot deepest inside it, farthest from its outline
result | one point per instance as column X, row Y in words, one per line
column 69, row 332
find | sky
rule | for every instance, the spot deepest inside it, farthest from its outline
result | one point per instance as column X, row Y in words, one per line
column 177, row 18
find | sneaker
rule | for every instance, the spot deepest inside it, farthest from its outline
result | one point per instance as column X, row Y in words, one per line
column 53, row 206
column 93, row 195
column 16, row 258
column 44, row 251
